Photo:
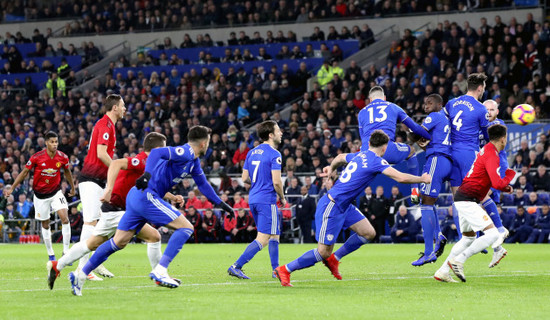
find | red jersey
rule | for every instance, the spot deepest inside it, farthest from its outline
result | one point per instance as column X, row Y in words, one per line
column 126, row 179
column 103, row 133
column 483, row 175
column 47, row 172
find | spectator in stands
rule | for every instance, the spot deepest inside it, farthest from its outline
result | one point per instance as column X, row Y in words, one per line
column 23, row 206
column 305, row 214
column 518, row 162
column 533, row 200
column 541, row 229
column 524, row 152
column 76, row 221
column 324, row 75
column 193, row 200
column 405, row 228
column 235, row 187
column 210, row 227
column 244, row 228
column 394, row 204
column 520, row 198
column 56, row 84
column 522, row 226
column 240, row 154
column 293, row 191
column 194, row 217
column 12, row 228
column 541, row 180
column 523, row 184
column 379, row 212
column 203, row 203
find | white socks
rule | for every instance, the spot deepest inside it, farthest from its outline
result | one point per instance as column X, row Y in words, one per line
column 47, row 237
column 490, row 236
column 66, row 232
column 87, row 231
column 154, row 253
column 77, row 251
column 458, row 248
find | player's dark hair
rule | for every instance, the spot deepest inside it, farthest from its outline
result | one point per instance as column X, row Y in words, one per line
column 376, row 90
column 496, row 132
column 265, row 128
column 110, row 101
column 198, row 133
column 378, row 138
column 475, row 80
column 153, row 140
column 50, row 134
column 436, row 98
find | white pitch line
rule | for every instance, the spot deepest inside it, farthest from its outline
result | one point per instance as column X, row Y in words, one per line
column 275, row 282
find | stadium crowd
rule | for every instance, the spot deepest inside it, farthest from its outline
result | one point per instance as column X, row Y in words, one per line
column 321, row 124
column 130, row 16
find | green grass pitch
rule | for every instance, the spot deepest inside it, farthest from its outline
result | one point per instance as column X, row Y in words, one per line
column 379, row 283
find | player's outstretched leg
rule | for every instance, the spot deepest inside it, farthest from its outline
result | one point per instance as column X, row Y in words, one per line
column 440, row 240
column 77, row 280
column 251, row 250
column 490, row 236
column 353, row 243
column 55, row 267
column 458, row 248
column 176, row 242
column 47, row 238
column 274, row 253
column 428, row 226
column 308, row 259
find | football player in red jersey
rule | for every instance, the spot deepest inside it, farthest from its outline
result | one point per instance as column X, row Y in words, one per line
column 48, row 197
column 483, row 175
column 121, row 177
column 94, row 171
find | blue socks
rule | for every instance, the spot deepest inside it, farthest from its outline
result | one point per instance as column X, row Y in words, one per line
column 491, row 209
column 178, row 238
column 249, row 253
column 428, row 225
column 101, row 254
column 412, row 168
column 353, row 243
column 307, row 260
column 457, row 223
column 274, row 253
column 437, row 227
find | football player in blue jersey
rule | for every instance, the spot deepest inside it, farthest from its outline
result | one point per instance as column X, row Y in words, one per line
column 335, row 210
column 165, row 168
column 262, row 171
column 383, row 115
column 438, row 165
column 490, row 204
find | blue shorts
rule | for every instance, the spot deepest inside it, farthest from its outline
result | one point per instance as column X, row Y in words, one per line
column 439, row 167
column 397, row 152
column 462, row 163
column 146, row 206
column 267, row 217
column 330, row 220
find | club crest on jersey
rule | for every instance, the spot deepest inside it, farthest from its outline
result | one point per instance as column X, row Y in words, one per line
column 135, row 162
column 105, row 136
column 330, row 237
column 428, row 120
column 180, row 151
column 58, row 164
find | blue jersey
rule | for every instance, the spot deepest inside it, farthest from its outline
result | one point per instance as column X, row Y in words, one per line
column 502, row 154
column 468, row 116
column 168, row 166
column 379, row 115
column 439, row 126
column 362, row 168
column 259, row 162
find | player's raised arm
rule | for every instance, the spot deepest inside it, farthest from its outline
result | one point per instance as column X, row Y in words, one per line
column 24, row 173
column 340, row 160
column 416, row 128
column 405, row 177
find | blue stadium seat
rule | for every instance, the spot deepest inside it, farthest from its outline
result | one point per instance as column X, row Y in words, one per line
column 544, row 197
column 441, row 213
column 512, row 211
column 508, row 199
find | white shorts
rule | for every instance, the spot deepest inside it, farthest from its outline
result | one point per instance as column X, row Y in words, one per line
column 108, row 223
column 90, row 193
column 43, row 207
column 472, row 216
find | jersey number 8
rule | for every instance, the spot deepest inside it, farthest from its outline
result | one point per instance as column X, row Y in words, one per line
column 346, row 174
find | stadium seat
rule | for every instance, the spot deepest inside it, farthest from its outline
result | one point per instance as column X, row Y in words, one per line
column 544, row 197
column 508, row 199
column 512, row 211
